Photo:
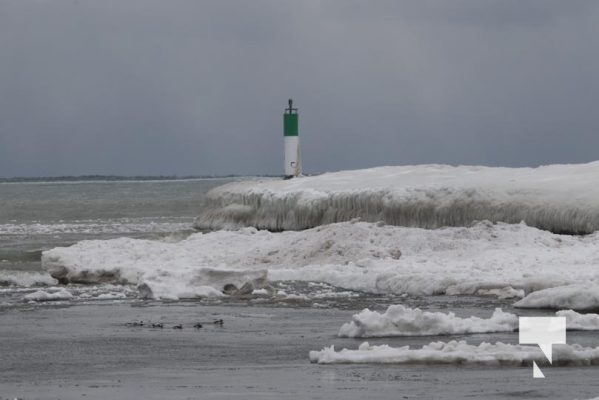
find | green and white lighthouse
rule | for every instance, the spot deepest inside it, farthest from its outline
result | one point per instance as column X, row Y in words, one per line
column 293, row 162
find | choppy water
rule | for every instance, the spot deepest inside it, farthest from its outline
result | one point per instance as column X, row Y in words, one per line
column 42, row 215
column 37, row 216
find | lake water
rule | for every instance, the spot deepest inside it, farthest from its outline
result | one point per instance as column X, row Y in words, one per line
column 86, row 347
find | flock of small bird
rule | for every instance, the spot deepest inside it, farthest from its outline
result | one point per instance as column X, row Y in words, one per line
column 160, row 325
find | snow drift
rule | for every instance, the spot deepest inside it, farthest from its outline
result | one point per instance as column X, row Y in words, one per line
column 484, row 259
column 558, row 198
column 403, row 321
column 455, row 352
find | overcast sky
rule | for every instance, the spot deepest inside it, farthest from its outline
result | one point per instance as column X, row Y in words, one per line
column 199, row 87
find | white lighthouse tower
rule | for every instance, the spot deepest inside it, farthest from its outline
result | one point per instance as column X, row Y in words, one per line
column 293, row 162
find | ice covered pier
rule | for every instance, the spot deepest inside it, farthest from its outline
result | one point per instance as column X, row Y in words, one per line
column 558, row 198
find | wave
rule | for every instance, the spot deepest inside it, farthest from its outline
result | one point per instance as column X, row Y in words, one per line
column 95, row 227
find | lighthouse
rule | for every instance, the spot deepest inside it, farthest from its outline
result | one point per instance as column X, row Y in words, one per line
column 293, row 162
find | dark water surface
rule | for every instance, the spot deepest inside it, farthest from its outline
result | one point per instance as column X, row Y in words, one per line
column 42, row 215
column 258, row 353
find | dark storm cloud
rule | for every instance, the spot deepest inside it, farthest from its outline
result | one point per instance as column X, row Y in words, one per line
column 198, row 87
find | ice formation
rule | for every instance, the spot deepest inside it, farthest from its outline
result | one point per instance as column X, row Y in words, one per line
column 461, row 352
column 584, row 296
column 559, row 198
column 484, row 259
column 25, row 279
column 579, row 322
column 398, row 320
column 403, row 321
column 41, row 295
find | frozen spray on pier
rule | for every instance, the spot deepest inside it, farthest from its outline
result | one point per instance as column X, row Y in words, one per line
column 293, row 163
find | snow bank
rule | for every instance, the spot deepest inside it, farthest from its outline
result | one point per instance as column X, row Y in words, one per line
column 402, row 321
column 577, row 297
column 41, row 295
column 484, row 259
column 458, row 353
column 559, row 198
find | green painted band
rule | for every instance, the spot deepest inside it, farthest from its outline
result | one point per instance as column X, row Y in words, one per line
column 290, row 125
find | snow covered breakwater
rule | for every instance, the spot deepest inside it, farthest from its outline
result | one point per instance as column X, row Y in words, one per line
column 558, row 198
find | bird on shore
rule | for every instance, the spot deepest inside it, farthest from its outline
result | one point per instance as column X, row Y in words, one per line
column 198, row 325
column 158, row 325
column 179, row 326
column 219, row 322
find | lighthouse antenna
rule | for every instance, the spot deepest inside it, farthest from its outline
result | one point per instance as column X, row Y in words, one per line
column 290, row 110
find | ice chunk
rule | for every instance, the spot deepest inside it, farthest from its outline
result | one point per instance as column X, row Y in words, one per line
column 461, row 352
column 25, row 279
column 399, row 320
column 201, row 282
column 559, row 198
column 42, row 295
column 576, row 297
column 579, row 322
column 403, row 321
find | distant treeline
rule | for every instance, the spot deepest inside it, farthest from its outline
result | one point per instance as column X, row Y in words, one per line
column 123, row 178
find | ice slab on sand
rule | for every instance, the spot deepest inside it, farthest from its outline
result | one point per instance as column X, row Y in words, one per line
column 455, row 352
column 484, row 259
column 559, row 198
column 404, row 321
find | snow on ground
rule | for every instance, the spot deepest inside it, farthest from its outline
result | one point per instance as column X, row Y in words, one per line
column 583, row 296
column 404, row 321
column 559, row 198
column 484, row 259
column 461, row 352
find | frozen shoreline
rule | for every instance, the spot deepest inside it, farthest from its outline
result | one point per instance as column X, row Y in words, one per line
column 498, row 260
column 558, row 198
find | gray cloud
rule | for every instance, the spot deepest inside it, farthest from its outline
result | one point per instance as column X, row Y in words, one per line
column 198, row 87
